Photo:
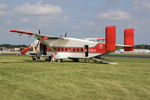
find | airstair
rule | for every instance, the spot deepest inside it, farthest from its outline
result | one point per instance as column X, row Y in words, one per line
column 104, row 61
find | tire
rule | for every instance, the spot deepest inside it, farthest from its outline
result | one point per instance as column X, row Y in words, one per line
column 75, row 60
column 34, row 59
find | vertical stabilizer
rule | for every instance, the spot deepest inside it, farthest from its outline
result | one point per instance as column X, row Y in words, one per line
column 110, row 38
column 129, row 39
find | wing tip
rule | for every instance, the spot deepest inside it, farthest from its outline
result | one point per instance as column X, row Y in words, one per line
column 21, row 32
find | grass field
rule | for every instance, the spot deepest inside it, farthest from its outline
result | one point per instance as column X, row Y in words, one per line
column 23, row 79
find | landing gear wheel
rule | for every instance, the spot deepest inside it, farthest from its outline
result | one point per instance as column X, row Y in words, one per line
column 95, row 61
column 34, row 58
column 86, row 60
column 48, row 59
column 75, row 60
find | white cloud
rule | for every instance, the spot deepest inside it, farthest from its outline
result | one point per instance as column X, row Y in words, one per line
column 2, row 13
column 8, row 22
column 115, row 15
column 89, row 23
column 112, row 0
column 51, row 19
column 25, row 19
column 38, row 9
column 3, row 8
column 142, row 5
column 76, row 27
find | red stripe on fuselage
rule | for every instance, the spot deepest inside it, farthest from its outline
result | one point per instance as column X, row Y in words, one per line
column 99, row 48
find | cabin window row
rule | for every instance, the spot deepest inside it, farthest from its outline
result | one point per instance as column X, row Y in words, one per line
column 69, row 49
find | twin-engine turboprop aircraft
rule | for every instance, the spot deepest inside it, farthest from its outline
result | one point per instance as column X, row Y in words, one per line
column 74, row 48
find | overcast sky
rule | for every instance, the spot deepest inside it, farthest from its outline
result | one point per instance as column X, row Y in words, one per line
column 78, row 18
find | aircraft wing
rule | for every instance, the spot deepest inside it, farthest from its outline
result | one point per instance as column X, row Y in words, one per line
column 36, row 35
column 40, row 37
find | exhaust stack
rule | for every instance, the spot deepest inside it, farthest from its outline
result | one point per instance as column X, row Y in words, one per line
column 110, row 38
column 129, row 39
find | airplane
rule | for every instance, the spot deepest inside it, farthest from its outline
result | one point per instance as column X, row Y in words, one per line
column 75, row 48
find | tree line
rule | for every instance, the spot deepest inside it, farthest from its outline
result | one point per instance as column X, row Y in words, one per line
column 12, row 46
column 142, row 46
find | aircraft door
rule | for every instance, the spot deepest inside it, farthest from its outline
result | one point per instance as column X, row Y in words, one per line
column 43, row 49
column 86, row 50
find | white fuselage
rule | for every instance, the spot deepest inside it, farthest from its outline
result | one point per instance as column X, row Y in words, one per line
column 71, row 48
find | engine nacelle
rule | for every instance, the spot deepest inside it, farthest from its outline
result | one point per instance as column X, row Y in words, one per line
column 110, row 38
column 129, row 39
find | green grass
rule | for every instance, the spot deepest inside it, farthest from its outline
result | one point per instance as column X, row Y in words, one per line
column 23, row 79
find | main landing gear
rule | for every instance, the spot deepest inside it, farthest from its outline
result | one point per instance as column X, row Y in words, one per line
column 47, row 59
column 35, row 58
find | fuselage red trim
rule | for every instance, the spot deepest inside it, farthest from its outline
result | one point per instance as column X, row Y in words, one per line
column 99, row 48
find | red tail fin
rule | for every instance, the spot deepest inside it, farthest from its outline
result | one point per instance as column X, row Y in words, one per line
column 110, row 38
column 129, row 39
column 25, row 50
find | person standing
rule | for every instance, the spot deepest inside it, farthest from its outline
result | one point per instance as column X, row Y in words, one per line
column 52, row 57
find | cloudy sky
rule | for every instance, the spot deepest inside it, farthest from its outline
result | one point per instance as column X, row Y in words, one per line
column 78, row 18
